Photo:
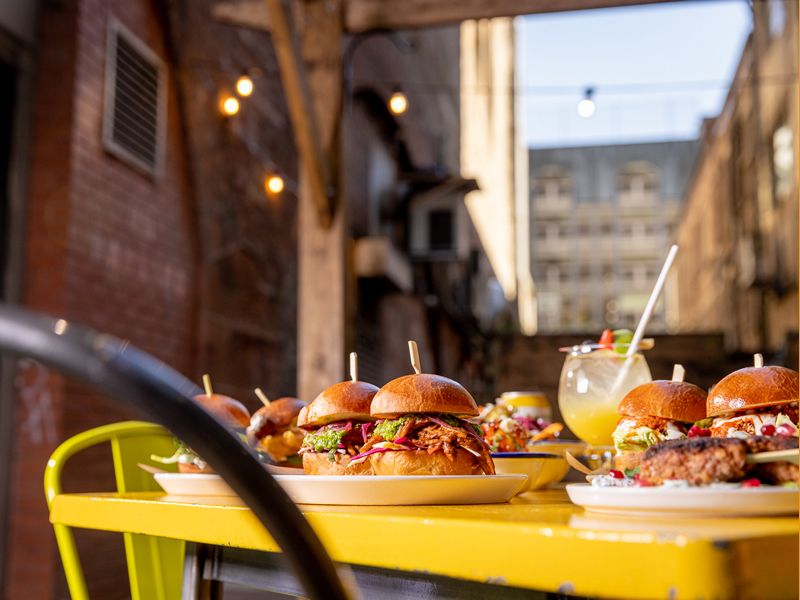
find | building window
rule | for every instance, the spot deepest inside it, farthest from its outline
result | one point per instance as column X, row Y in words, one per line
column 783, row 160
column 777, row 17
column 440, row 230
column 552, row 184
column 638, row 181
column 553, row 276
column 552, row 232
column 134, row 116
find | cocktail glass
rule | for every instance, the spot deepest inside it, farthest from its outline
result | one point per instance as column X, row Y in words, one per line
column 589, row 391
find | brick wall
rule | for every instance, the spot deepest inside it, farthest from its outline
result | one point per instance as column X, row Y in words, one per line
column 107, row 247
column 247, row 308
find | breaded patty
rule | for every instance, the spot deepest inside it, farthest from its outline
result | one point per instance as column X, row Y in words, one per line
column 700, row 461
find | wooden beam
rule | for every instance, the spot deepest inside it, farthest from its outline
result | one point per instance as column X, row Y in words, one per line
column 366, row 15
column 315, row 161
column 322, row 256
column 252, row 14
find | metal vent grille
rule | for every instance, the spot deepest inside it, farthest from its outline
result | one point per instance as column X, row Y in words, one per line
column 134, row 117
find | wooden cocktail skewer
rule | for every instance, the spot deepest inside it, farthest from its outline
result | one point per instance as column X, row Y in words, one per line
column 579, row 466
column 758, row 361
column 262, row 396
column 791, row 455
column 354, row 366
column 678, row 373
column 207, row 385
column 150, row 468
column 414, row 352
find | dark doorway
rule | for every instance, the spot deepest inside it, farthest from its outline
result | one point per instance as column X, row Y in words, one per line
column 11, row 154
column 8, row 83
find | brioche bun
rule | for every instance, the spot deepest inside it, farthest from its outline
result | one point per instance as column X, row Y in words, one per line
column 419, row 462
column 231, row 412
column 752, row 388
column 275, row 417
column 675, row 400
column 423, row 393
column 319, row 463
column 341, row 401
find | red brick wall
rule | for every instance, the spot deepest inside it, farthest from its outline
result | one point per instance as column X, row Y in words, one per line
column 248, row 308
column 107, row 247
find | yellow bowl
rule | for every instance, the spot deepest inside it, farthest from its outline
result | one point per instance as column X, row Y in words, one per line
column 574, row 447
column 542, row 468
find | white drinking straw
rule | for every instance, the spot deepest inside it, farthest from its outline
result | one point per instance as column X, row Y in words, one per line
column 648, row 312
column 651, row 303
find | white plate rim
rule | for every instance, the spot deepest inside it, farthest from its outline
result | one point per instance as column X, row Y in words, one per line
column 688, row 501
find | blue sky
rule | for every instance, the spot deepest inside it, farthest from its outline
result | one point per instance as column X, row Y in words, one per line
column 656, row 70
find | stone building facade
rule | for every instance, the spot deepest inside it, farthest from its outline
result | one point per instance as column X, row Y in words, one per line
column 738, row 268
column 602, row 220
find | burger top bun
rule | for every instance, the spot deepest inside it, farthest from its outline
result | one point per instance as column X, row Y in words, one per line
column 277, row 415
column 423, row 393
column 752, row 388
column 341, row 401
column 676, row 400
column 231, row 412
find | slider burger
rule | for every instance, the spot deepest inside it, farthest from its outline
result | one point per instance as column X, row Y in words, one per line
column 421, row 428
column 756, row 400
column 273, row 428
column 230, row 412
column 338, row 424
column 652, row 413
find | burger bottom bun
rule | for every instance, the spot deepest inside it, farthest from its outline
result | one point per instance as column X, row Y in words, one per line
column 193, row 468
column 419, row 462
column 319, row 463
column 628, row 460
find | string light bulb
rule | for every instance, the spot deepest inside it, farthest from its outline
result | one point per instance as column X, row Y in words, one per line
column 244, row 86
column 587, row 107
column 398, row 103
column 229, row 106
column 273, row 184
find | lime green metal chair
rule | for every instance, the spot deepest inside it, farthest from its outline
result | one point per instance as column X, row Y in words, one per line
column 155, row 565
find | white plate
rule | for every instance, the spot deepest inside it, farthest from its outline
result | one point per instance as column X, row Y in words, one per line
column 365, row 490
column 685, row 502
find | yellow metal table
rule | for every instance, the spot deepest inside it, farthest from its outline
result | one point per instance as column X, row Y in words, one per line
column 538, row 541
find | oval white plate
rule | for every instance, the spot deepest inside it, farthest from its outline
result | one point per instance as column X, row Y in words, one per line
column 685, row 502
column 365, row 490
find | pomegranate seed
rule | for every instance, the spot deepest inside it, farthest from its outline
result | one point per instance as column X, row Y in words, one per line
column 751, row 483
column 768, row 429
column 695, row 431
column 785, row 430
column 616, row 474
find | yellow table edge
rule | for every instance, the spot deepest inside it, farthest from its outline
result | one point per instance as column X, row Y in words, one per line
column 761, row 561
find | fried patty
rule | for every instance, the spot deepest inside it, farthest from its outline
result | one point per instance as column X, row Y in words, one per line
column 705, row 460
column 775, row 473
column 700, row 461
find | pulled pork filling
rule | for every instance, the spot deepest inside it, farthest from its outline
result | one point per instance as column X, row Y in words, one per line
column 430, row 433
